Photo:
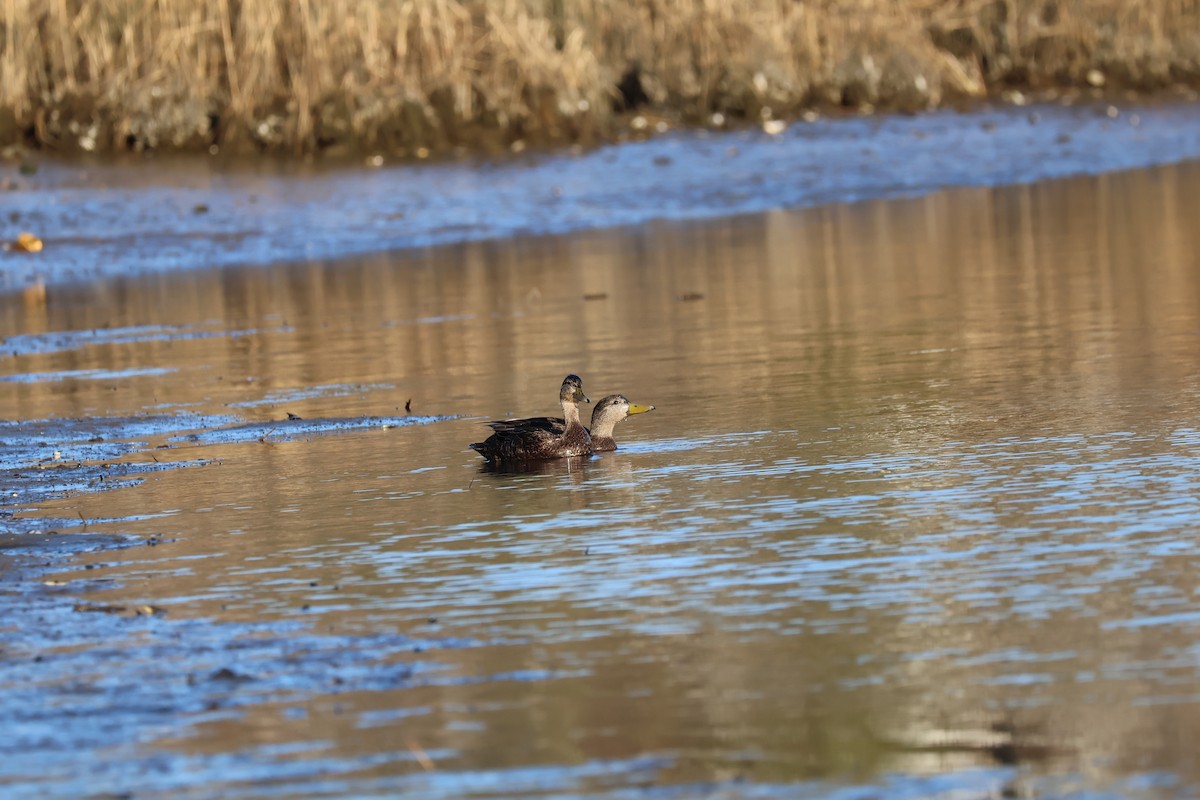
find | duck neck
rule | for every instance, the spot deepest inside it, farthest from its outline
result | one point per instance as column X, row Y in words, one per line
column 602, row 432
column 571, row 414
column 603, row 428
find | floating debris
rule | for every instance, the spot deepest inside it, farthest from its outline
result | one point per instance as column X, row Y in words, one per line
column 420, row 755
column 99, row 609
column 25, row 242
column 132, row 611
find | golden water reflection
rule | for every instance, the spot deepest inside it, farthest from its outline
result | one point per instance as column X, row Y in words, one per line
column 920, row 468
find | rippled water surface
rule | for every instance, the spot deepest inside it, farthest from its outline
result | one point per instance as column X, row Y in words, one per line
column 916, row 514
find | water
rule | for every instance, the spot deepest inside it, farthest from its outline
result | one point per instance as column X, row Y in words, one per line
column 915, row 515
column 100, row 219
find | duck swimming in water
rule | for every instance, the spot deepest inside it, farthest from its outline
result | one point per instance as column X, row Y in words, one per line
column 523, row 443
column 605, row 416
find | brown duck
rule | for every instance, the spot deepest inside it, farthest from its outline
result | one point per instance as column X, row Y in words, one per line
column 608, row 412
column 524, row 443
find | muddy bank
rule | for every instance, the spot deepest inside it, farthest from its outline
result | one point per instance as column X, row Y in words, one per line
column 102, row 679
column 68, row 652
column 367, row 77
column 48, row 459
column 100, row 219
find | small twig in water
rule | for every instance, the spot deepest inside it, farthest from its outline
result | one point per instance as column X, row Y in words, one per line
column 422, row 757
column 82, row 518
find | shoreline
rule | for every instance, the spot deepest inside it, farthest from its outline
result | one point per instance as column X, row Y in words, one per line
column 100, row 220
column 257, row 77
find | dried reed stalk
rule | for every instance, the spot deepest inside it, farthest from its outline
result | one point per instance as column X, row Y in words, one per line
column 306, row 75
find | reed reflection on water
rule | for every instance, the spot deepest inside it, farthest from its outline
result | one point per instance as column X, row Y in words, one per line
column 919, row 469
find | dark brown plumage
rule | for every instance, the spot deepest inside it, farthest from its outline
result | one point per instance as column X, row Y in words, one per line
column 510, row 444
column 605, row 416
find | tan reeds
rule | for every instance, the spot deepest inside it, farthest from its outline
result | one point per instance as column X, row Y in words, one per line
column 303, row 75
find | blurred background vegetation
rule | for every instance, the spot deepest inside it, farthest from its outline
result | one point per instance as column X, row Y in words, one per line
column 416, row 77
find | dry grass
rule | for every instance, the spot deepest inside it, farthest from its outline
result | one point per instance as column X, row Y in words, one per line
column 399, row 75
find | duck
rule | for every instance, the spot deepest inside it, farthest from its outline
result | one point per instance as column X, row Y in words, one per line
column 523, row 443
column 608, row 412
